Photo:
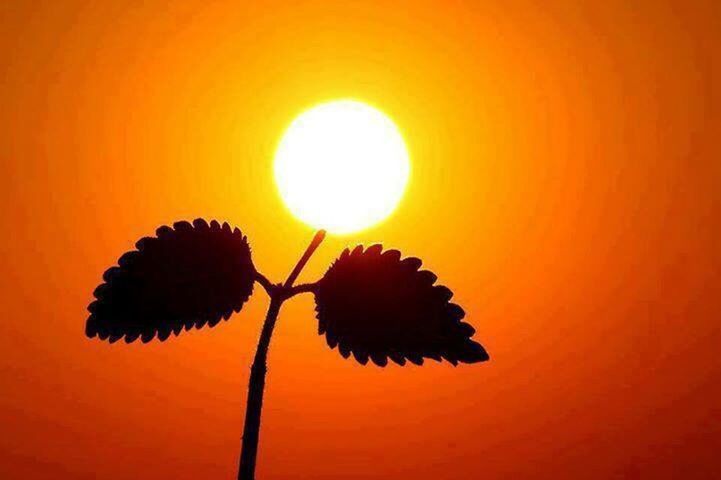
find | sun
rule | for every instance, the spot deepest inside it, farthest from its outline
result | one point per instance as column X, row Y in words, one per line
column 342, row 166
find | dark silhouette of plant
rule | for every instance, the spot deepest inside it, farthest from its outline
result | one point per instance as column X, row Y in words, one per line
column 370, row 303
column 375, row 305
column 189, row 276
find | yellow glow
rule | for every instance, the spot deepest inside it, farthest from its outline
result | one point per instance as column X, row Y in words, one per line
column 342, row 166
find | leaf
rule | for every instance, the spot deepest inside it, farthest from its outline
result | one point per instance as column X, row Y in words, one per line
column 376, row 306
column 187, row 276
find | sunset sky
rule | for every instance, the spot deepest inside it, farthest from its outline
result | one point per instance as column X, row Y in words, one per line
column 565, row 184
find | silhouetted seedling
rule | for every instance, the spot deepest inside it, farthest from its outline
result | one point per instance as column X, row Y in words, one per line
column 370, row 304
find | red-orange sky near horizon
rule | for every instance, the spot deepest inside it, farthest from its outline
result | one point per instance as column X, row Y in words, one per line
column 565, row 185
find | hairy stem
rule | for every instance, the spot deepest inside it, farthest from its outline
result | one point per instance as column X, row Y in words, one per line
column 319, row 236
column 265, row 283
column 256, row 384
column 305, row 287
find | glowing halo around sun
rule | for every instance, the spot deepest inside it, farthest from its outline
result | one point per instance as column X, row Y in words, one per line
column 342, row 166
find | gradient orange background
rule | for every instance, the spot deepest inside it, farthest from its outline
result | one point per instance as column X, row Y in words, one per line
column 566, row 175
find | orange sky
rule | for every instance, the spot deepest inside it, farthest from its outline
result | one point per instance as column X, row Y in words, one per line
column 565, row 185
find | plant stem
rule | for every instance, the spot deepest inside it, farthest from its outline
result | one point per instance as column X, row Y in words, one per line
column 256, row 384
column 319, row 236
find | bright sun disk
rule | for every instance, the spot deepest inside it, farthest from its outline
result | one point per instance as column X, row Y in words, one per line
column 342, row 166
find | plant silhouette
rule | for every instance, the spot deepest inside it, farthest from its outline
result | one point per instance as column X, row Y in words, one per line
column 188, row 276
column 370, row 303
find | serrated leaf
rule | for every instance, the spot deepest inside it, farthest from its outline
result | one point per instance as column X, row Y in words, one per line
column 187, row 276
column 378, row 306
